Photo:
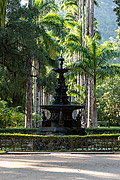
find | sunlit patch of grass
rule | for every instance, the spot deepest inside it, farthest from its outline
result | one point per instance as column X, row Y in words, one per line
column 2, row 151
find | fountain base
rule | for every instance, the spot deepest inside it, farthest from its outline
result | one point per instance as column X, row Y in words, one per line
column 61, row 131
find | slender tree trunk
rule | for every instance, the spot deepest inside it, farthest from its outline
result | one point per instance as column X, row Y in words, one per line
column 95, row 105
column 91, row 100
column 87, row 17
column 34, row 86
column 28, row 108
column 79, row 9
column 87, row 101
column 95, row 124
column 91, row 34
column 83, row 23
column 91, row 27
column 35, row 89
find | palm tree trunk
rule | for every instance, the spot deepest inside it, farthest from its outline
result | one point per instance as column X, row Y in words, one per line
column 90, row 32
column 91, row 27
column 87, row 17
column 83, row 25
column 91, row 99
column 79, row 9
column 95, row 124
column 87, row 102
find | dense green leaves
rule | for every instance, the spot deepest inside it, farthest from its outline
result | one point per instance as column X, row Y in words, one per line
column 25, row 36
column 37, row 33
column 108, row 96
column 10, row 117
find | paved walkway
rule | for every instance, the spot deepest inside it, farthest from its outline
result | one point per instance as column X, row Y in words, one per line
column 60, row 166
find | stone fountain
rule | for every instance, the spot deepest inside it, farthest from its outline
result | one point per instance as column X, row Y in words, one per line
column 61, row 121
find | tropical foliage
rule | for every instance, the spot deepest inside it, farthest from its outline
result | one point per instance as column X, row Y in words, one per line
column 10, row 117
column 37, row 34
column 95, row 61
column 108, row 100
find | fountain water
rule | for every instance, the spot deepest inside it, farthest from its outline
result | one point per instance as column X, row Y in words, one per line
column 61, row 121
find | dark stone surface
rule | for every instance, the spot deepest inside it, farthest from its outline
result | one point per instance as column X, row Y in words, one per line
column 61, row 131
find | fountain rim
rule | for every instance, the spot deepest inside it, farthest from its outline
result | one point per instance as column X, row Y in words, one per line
column 61, row 106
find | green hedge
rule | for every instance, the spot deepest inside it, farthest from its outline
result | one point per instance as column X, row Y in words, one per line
column 90, row 131
column 103, row 130
column 19, row 130
column 25, row 142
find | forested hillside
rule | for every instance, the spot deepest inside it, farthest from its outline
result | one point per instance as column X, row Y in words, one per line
column 106, row 18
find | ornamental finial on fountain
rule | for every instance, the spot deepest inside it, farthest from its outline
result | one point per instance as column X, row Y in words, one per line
column 61, row 59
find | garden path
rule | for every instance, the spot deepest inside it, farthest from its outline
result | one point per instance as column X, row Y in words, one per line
column 60, row 166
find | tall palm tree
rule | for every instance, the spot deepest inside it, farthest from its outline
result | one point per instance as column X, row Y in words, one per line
column 87, row 29
column 94, row 62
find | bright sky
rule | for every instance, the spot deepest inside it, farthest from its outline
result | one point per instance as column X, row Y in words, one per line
column 23, row 2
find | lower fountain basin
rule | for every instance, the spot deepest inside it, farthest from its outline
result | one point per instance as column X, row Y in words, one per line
column 61, row 121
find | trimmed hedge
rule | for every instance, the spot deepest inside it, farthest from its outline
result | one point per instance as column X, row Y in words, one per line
column 24, row 142
column 103, row 130
column 19, row 130
column 90, row 131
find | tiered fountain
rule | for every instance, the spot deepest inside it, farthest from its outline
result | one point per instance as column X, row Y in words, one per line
column 61, row 121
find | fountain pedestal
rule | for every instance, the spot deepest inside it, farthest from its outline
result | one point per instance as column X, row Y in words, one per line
column 61, row 121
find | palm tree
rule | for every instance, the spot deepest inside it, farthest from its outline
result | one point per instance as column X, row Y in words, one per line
column 94, row 63
column 87, row 29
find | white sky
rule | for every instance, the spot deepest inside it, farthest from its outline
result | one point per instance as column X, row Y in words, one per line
column 23, row 2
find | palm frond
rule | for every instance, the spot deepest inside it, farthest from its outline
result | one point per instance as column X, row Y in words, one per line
column 72, row 37
column 96, row 3
column 108, row 70
column 65, row 4
column 53, row 22
column 69, row 16
column 47, row 6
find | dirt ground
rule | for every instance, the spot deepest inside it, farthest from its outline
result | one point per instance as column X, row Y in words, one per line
column 60, row 166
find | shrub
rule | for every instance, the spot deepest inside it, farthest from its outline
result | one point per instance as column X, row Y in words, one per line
column 10, row 116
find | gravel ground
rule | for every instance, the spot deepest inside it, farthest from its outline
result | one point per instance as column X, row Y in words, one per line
column 60, row 166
